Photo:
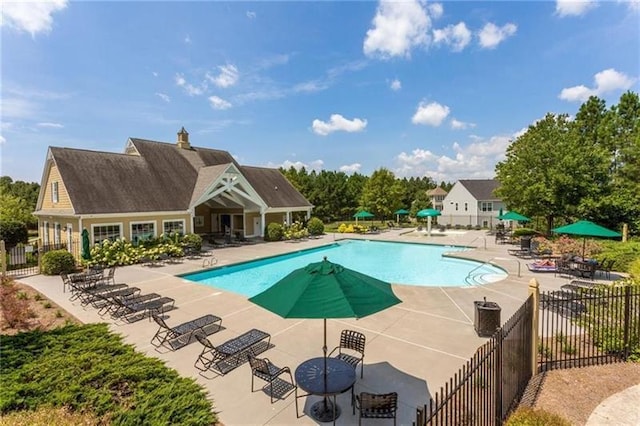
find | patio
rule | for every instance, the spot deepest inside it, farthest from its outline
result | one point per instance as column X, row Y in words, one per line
column 412, row 348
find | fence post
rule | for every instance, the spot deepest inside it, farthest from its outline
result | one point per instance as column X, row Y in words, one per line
column 534, row 292
column 3, row 259
column 627, row 320
column 40, row 247
column 497, row 390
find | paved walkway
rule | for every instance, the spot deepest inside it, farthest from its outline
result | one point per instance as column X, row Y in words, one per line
column 621, row 409
column 412, row 348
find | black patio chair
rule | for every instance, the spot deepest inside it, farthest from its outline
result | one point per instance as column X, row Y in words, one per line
column 351, row 349
column 182, row 332
column 264, row 369
column 376, row 406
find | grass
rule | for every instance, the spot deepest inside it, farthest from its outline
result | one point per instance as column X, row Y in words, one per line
column 86, row 369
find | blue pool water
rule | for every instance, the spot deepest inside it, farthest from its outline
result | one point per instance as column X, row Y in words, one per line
column 398, row 263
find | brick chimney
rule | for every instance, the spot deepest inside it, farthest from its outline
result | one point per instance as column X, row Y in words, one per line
column 183, row 139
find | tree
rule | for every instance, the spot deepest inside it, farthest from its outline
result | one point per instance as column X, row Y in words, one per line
column 382, row 194
column 547, row 172
column 16, row 209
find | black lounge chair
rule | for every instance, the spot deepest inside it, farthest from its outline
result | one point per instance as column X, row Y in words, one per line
column 351, row 349
column 129, row 308
column 182, row 333
column 264, row 369
column 227, row 356
column 376, row 406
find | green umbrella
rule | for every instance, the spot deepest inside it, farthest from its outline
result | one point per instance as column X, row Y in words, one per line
column 86, row 245
column 585, row 229
column 400, row 212
column 428, row 213
column 363, row 214
column 513, row 216
column 326, row 290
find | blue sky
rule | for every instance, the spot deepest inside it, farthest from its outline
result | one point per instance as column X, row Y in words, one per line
column 421, row 88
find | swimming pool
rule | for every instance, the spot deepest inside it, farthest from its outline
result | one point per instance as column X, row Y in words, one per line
column 398, row 263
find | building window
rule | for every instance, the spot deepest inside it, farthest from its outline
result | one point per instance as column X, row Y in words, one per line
column 56, row 233
column 466, row 207
column 45, row 233
column 487, row 207
column 169, row 226
column 105, row 232
column 456, row 206
column 142, row 231
column 54, row 192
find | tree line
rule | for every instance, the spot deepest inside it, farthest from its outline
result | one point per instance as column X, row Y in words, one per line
column 337, row 196
column 583, row 167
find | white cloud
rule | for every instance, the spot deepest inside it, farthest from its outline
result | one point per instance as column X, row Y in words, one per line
column 398, row 27
column 163, row 96
column 31, row 17
column 457, row 36
column 18, row 108
column 50, row 125
column 155, row 74
column 189, row 88
column 605, row 82
column 476, row 160
column 310, row 86
column 187, row 39
column 461, row 125
column 338, row 123
column 251, row 14
column 219, row 103
column 228, row 76
column 430, row 114
column 395, row 85
column 490, row 36
column 350, row 168
column 2, row 140
column 316, row 165
column 435, row 10
column 573, row 7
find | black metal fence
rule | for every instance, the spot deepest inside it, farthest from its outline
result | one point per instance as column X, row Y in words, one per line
column 587, row 326
column 23, row 259
column 490, row 384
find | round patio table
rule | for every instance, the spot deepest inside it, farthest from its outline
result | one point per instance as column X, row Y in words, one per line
column 341, row 377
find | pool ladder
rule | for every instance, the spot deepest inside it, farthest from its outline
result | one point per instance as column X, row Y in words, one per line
column 209, row 261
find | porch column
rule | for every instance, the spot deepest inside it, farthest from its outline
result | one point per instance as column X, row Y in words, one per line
column 263, row 223
column 289, row 217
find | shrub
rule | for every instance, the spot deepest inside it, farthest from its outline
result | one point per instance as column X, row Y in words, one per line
column 275, row 232
column 90, row 370
column 13, row 233
column 634, row 269
column 192, row 240
column 342, row 228
column 624, row 254
column 56, row 262
column 15, row 310
column 535, row 417
column 521, row 232
column 315, row 226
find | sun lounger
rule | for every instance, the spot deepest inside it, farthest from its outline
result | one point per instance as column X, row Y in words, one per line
column 227, row 356
column 130, row 309
column 533, row 267
column 180, row 335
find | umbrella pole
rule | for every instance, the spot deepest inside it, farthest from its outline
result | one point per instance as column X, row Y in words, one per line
column 324, row 350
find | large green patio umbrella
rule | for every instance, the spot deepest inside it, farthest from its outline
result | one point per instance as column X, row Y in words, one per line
column 400, row 212
column 86, row 245
column 428, row 213
column 513, row 216
column 326, row 290
column 363, row 214
column 586, row 229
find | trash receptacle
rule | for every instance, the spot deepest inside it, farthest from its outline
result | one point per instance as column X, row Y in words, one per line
column 487, row 318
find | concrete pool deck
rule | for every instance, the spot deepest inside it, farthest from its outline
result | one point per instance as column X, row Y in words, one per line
column 412, row 348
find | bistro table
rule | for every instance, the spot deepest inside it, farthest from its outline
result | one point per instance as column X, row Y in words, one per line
column 310, row 377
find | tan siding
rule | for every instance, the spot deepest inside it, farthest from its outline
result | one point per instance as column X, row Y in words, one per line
column 63, row 196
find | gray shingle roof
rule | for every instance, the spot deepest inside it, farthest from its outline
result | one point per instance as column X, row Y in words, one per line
column 162, row 178
column 481, row 189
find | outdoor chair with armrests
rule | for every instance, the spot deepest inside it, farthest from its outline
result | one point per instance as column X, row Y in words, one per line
column 376, row 406
column 351, row 349
column 264, row 369
column 182, row 333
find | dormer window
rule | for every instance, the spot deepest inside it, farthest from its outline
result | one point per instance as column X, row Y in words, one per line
column 54, row 192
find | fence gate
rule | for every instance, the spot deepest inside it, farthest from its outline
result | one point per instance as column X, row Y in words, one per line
column 23, row 259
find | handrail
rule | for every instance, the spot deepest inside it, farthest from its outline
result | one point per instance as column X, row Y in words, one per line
column 210, row 261
column 483, row 239
column 490, row 262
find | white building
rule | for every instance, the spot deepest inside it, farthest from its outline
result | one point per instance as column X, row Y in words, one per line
column 472, row 202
